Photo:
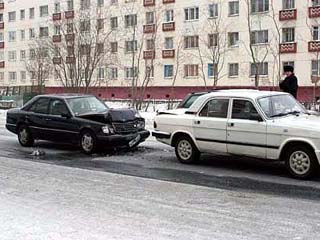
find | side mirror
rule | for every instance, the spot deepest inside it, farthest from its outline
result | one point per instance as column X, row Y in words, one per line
column 66, row 115
column 255, row 117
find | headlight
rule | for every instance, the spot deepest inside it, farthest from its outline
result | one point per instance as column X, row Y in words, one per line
column 140, row 124
column 107, row 130
column 137, row 115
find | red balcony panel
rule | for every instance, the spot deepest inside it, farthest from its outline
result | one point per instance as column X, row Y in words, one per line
column 56, row 38
column 69, row 14
column 314, row 46
column 288, row 48
column 168, row 1
column 166, row 27
column 70, row 60
column 69, row 37
column 170, row 53
column 286, row 15
column 2, row 64
column 149, row 3
column 1, row 45
column 149, row 54
column 57, row 60
column 1, row 25
column 314, row 12
column 150, row 28
column 1, row 6
column 56, row 16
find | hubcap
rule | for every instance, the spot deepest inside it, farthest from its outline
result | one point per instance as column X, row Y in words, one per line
column 299, row 162
column 23, row 134
column 184, row 149
column 87, row 142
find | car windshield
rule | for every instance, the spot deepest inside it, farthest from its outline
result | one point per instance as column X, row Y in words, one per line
column 188, row 102
column 86, row 105
column 280, row 105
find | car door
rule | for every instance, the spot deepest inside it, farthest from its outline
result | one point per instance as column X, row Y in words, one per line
column 61, row 125
column 36, row 118
column 246, row 130
column 210, row 126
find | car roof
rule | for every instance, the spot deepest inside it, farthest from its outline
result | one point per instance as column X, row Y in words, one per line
column 65, row 95
column 233, row 93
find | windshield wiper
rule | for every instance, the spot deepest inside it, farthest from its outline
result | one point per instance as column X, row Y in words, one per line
column 285, row 114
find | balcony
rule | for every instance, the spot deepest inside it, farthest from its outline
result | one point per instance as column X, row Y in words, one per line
column 70, row 60
column 169, row 53
column 168, row 1
column 1, row 45
column 288, row 48
column 149, row 54
column 149, row 3
column 2, row 65
column 69, row 14
column 314, row 46
column 290, row 14
column 314, row 12
column 56, row 16
column 1, row 6
column 57, row 60
column 1, row 25
column 150, row 28
column 69, row 37
column 56, row 38
column 167, row 27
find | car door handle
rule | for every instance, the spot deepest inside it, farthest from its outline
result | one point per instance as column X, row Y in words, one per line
column 230, row 124
column 48, row 119
column 197, row 122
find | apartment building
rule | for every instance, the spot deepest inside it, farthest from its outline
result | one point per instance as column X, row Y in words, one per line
column 190, row 44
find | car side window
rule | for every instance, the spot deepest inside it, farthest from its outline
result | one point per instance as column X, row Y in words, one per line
column 215, row 108
column 40, row 106
column 243, row 109
column 58, row 107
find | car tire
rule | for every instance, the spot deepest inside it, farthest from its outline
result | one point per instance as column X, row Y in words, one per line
column 186, row 151
column 88, row 142
column 301, row 161
column 24, row 136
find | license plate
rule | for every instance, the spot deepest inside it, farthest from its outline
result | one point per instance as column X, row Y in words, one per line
column 134, row 141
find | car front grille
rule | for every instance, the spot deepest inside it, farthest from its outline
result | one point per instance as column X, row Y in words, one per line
column 128, row 127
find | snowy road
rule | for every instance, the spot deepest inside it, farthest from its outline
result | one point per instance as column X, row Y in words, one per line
column 148, row 195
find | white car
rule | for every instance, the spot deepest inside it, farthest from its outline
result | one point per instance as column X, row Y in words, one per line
column 260, row 124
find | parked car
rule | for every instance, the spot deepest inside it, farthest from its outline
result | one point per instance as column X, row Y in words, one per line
column 260, row 124
column 78, row 119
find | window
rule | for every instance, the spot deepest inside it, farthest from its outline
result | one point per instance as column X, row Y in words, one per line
column 100, row 24
column 149, row 44
column 288, row 35
column 32, row 33
column 1, row 17
column 44, row 11
column 12, row 76
column 150, row 18
column 288, row 4
column 130, row 72
column 213, row 40
column 259, row 37
column 213, row 10
column 315, row 33
column 85, row 4
column 114, row 2
column 12, row 16
column 12, row 36
column 44, row 31
column 233, row 69
column 131, row 46
column 130, row 20
column 114, row 47
column 100, row 3
column 191, row 70
column 169, row 16
column 191, row 42
column 243, row 109
column 70, row 5
column 22, row 14
column 69, row 28
column 114, row 22
column 212, row 68
column 261, row 71
column 149, row 72
column 168, row 43
column 40, row 106
column 1, row 76
column 31, row 13
column 57, row 29
column 23, row 76
column 315, row 68
column 168, row 71
column 57, row 8
column 1, row 37
column 290, row 63
column 233, row 39
column 32, row 54
column 58, row 108
column 258, row 6
column 22, row 55
column 113, row 73
column 2, row 56
column 22, row 35
column 100, row 73
column 85, row 26
column 215, row 108
column 191, row 14
column 233, row 8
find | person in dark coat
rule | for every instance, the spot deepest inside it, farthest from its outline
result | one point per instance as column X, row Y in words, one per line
column 290, row 83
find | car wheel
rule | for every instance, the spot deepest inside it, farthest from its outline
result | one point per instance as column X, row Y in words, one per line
column 301, row 162
column 24, row 136
column 88, row 142
column 186, row 151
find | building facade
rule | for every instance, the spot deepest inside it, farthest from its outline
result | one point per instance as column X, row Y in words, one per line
column 187, row 45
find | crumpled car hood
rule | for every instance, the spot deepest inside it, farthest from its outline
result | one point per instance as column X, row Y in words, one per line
column 112, row 115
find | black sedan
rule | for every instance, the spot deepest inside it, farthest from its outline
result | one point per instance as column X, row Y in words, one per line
column 77, row 119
